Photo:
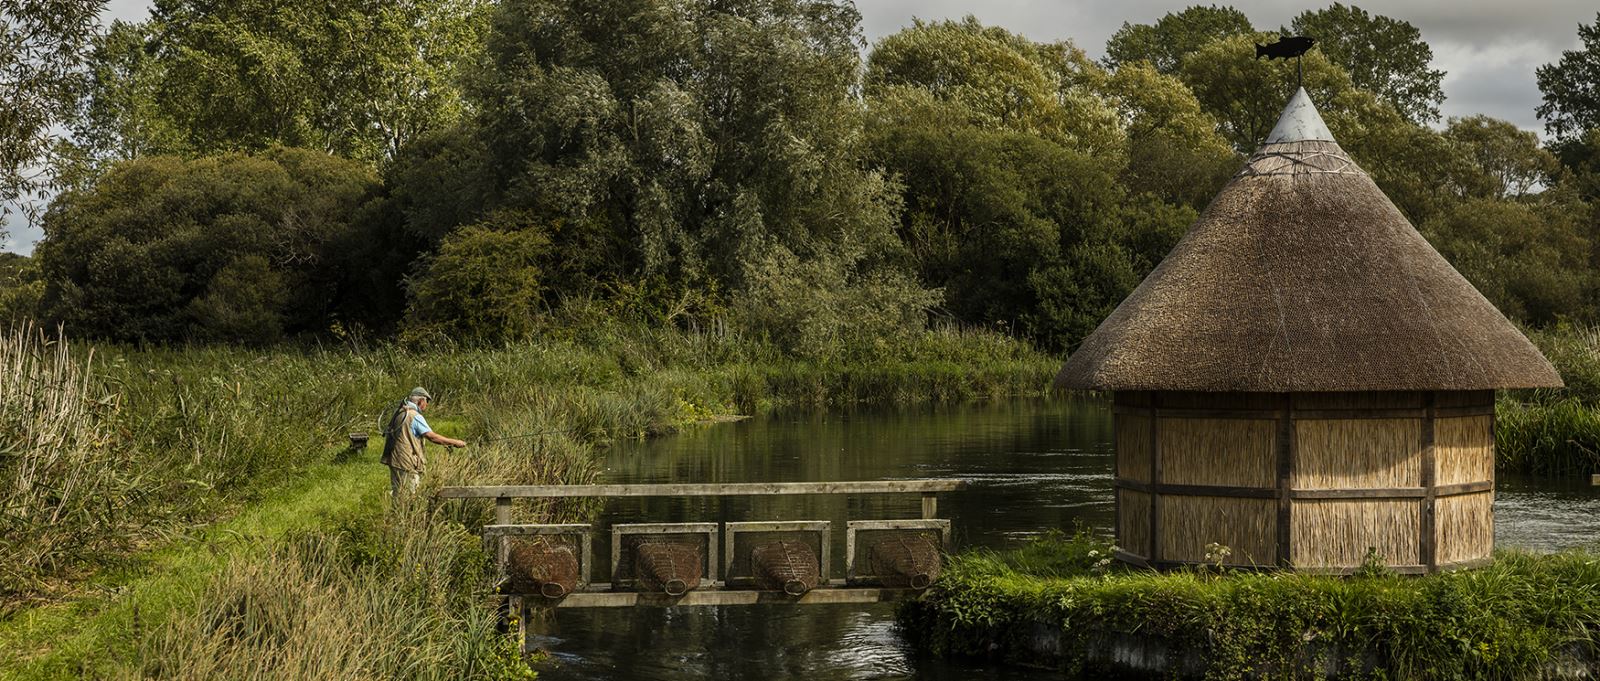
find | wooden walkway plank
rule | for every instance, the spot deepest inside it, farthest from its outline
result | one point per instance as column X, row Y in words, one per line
column 924, row 486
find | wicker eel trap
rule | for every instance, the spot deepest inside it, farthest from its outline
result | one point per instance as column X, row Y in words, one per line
column 542, row 567
column 789, row 566
column 905, row 560
column 673, row 568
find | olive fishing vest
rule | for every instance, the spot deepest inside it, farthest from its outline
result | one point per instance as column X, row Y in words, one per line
column 402, row 449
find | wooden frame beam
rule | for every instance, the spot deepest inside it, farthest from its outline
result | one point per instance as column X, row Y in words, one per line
column 921, row 485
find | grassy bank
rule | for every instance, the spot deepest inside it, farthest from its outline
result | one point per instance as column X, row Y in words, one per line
column 1555, row 432
column 235, row 504
column 1523, row 618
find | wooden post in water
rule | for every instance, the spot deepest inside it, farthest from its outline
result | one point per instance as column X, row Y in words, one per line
column 502, row 516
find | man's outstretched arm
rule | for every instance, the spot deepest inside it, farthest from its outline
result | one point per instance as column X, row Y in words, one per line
column 442, row 440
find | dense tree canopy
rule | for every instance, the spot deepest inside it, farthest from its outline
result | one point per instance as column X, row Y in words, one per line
column 460, row 169
column 230, row 248
column 352, row 78
column 1167, row 43
column 1000, row 80
column 1024, row 224
column 1174, row 150
column 1384, row 56
column 1532, row 260
column 1246, row 94
column 687, row 142
column 1508, row 160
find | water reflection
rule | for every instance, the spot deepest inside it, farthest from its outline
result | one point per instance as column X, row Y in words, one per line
column 1033, row 465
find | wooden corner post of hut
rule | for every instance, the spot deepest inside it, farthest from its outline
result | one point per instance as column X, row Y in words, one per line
column 1304, row 382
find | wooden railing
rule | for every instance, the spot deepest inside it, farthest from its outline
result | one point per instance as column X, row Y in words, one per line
column 503, row 494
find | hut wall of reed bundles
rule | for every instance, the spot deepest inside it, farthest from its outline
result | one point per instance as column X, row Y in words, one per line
column 1314, row 480
column 1304, row 380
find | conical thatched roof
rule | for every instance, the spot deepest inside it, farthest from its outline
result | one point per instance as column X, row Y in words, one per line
column 1302, row 276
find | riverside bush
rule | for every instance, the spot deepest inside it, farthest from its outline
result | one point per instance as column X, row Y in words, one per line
column 1521, row 618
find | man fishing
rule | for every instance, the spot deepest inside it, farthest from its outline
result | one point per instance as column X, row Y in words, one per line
column 402, row 447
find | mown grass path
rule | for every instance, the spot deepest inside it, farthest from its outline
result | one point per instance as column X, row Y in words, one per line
column 85, row 637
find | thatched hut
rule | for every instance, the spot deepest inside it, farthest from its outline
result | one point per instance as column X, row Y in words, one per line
column 1304, row 379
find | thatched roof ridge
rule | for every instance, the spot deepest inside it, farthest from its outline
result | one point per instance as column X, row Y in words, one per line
column 1302, row 276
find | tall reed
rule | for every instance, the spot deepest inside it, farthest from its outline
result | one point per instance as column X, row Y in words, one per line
column 65, row 473
column 1555, row 432
column 405, row 592
column 401, row 596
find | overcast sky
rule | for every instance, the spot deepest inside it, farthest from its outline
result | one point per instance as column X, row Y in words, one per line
column 1487, row 48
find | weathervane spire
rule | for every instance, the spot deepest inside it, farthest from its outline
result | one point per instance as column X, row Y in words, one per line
column 1299, row 122
column 1285, row 48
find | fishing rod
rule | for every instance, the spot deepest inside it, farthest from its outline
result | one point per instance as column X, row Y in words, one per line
column 387, row 417
column 538, row 433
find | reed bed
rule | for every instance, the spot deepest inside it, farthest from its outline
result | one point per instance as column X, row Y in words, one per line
column 64, row 469
column 116, row 448
column 1555, row 432
column 1527, row 616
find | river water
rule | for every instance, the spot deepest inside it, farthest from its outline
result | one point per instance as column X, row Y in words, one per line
column 1033, row 466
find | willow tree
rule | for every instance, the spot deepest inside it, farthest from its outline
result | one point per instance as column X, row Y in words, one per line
column 351, row 78
column 691, row 146
column 41, row 70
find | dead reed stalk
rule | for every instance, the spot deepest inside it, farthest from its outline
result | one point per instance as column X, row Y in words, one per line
column 63, row 470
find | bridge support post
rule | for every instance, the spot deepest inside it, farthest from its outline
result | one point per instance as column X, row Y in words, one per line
column 519, row 614
column 930, row 505
column 502, row 516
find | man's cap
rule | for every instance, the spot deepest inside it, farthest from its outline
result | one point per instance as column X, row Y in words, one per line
column 419, row 392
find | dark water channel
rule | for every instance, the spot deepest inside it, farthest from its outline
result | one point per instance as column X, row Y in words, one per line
column 1033, row 465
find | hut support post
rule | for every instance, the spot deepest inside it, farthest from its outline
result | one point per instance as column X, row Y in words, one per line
column 1285, row 447
column 1428, row 547
column 1155, row 480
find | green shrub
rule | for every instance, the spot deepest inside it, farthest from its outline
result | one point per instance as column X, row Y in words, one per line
column 20, row 288
column 1513, row 620
column 232, row 247
column 484, row 284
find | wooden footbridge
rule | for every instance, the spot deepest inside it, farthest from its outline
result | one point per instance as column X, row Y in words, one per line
column 711, row 563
